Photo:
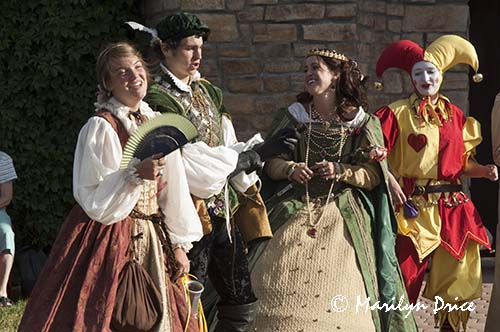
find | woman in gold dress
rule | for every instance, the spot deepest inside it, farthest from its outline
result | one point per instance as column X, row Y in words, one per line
column 332, row 255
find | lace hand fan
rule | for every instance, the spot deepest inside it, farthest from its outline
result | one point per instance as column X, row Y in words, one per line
column 162, row 134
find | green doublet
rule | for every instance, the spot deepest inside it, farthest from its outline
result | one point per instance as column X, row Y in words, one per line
column 204, row 109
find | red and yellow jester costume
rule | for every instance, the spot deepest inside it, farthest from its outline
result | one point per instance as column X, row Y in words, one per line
column 430, row 145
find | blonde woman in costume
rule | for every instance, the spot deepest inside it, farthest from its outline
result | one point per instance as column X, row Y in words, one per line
column 334, row 230
column 431, row 144
column 77, row 288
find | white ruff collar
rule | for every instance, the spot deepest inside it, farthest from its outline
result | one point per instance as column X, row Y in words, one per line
column 122, row 112
column 180, row 84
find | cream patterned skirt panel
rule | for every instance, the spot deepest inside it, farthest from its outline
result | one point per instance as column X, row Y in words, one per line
column 297, row 277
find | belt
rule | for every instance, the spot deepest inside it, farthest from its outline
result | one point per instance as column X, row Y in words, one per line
column 439, row 188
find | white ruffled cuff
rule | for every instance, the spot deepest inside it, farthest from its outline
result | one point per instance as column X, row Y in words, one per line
column 185, row 246
column 131, row 172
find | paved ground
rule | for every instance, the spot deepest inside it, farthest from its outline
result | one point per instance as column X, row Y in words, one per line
column 425, row 319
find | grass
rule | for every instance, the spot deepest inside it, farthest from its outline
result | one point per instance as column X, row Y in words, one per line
column 11, row 316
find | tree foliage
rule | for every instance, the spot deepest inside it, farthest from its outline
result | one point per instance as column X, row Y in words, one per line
column 47, row 90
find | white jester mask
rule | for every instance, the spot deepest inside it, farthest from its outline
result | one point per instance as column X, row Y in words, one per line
column 426, row 78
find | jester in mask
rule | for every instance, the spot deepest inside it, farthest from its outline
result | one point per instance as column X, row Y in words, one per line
column 431, row 144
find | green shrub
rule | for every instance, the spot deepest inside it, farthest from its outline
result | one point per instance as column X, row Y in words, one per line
column 47, row 90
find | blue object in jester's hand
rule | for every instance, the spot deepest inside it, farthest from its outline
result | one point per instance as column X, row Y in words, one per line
column 410, row 210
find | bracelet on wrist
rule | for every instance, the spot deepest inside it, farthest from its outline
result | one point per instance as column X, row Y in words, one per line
column 290, row 172
column 178, row 246
column 337, row 170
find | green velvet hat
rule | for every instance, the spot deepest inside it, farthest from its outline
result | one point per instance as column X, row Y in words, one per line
column 181, row 25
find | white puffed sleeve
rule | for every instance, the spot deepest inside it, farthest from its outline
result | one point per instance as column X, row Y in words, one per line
column 242, row 181
column 207, row 168
column 181, row 217
column 103, row 191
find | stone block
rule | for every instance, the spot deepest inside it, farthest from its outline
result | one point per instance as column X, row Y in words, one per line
column 251, row 14
column 408, row 87
column 367, row 19
column 300, row 49
column 242, row 125
column 223, row 27
column 380, row 23
column 395, row 10
column 349, row 48
column 377, row 99
column 294, row 12
column 297, row 83
column 366, row 35
column 324, row 0
column 329, row 31
column 266, row 104
column 443, row 18
column 215, row 80
column 240, row 67
column 262, row 123
column 393, row 82
column 275, row 51
column 274, row 32
column 239, row 103
column 414, row 36
column 234, row 51
column 261, row 2
column 244, row 84
column 246, row 34
column 202, row 4
column 209, row 52
column 394, row 25
column 341, row 10
column 208, row 68
column 235, row 5
column 152, row 7
column 462, row 68
column 278, row 83
column 373, row 6
column 460, row 98
column 365, row 52
column 285, row 66
column 455, row 81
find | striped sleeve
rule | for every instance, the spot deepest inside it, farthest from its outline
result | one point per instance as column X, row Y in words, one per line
column 7, row 171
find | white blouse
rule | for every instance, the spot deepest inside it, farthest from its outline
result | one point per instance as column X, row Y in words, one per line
column 108, row 194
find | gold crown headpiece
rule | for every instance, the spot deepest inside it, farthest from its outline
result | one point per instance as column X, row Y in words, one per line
column 328, row 54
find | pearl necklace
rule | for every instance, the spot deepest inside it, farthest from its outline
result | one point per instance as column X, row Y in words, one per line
column 313, row 225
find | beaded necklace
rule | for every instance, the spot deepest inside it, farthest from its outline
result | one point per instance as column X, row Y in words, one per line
column 313, row 225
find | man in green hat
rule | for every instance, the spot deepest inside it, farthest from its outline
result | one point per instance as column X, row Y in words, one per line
column 221, row 172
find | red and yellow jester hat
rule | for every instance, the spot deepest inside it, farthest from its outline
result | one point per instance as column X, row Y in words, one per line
column 445, row 52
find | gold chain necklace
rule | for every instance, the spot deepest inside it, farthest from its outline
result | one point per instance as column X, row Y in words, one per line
column 313, row 226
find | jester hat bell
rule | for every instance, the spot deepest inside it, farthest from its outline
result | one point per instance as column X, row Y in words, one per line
column 445, row 52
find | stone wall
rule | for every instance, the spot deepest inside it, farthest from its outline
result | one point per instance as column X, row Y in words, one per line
column 256, row 47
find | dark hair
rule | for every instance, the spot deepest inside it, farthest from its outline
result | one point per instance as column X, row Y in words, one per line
column 155, row 55
column 350, row 87
column 110, row 53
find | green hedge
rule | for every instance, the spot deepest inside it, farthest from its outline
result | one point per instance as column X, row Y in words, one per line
column 47, row 90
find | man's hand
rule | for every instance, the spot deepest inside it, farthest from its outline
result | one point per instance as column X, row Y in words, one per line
column 283, row 142
column 248, row 161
